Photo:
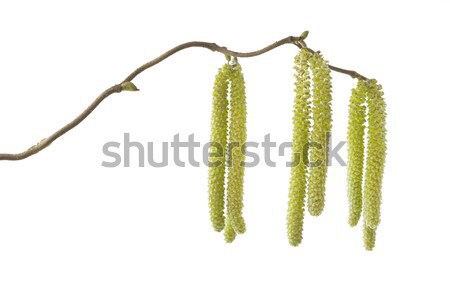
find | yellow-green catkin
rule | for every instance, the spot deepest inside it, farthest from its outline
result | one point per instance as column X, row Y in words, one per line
column 355, row 140
column 321, row 128
column 300, row 139
column 218, row 139
column 376, row 154
column 369, row 237
column 229, row 234
column 236, row 149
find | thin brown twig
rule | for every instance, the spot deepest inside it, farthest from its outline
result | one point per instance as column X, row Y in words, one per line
column 117, row 88
column 351, row 73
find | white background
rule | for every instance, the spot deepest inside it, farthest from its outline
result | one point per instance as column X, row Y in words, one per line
column 71, row 229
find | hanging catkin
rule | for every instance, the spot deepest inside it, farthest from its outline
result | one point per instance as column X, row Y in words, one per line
column 369, row 237
column 355, row 139
column 376, row 154
column 321, row 114
column 300, row 140
column 236, row 149
column 229, row 234
column 219, row 134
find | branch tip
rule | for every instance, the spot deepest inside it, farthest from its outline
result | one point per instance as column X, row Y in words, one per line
column 304, row 35
column 129, row 86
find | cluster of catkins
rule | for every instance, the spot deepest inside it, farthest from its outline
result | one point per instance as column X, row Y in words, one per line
column 367, row 105
column 228, row 138
column 310, row 145
column 312, row 125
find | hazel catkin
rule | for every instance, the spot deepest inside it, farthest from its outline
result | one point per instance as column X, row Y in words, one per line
column 236, row 149
column 228, row 233
column 369, row 237
column 300, row 140
column 219, row 137
column 321, row 128
column 355, row 140
column 376, row 154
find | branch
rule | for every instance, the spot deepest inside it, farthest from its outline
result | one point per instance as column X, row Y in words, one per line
column 353, row 74
column 44, row 143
